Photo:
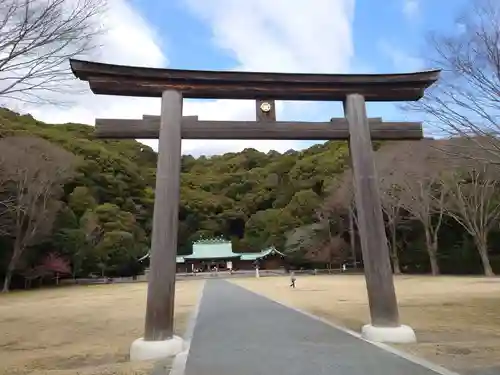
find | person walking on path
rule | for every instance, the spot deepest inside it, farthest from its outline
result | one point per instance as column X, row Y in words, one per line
column 292, row 279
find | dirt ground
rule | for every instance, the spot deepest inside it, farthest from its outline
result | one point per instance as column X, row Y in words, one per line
column 84, row 330
column 456, row 319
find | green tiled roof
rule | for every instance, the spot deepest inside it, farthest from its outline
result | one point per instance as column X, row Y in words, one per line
column 212, row 249
column 221, row 249
column 262, row 254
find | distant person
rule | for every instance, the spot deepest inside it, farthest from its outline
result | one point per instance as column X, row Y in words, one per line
column 292, row 279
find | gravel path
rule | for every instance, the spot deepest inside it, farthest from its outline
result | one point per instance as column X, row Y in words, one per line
column 241, row 333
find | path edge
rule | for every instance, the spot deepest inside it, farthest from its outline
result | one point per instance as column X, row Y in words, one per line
column 179, row 363
column 410, row 357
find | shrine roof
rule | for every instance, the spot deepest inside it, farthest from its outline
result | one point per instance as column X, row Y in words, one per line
column 216, row 248
column 262, row 254
column 213, row 248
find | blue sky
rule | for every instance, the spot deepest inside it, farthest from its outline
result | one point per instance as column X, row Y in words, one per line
column 327, row 36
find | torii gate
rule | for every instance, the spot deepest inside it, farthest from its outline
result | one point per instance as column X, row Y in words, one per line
column 170, row 127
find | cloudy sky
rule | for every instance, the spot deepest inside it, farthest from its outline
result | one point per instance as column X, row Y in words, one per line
column 319, row 36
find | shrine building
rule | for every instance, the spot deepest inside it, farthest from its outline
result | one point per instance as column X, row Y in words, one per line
column 216, row 252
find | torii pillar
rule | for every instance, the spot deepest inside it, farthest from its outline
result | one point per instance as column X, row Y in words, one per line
column 159, row 339
column 385, row 325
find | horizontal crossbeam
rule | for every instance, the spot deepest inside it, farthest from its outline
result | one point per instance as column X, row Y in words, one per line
column 124, row 80
column 192, row 128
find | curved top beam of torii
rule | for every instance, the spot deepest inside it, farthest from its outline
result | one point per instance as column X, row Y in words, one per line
column 152, row 82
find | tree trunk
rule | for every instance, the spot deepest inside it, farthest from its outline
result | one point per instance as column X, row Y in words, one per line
column 6, row 281
column 395, row 263
column 394, row 253
column 482, row 248
column 12, row 266
column 352, row 238
column 432, row 252
column 10, row 270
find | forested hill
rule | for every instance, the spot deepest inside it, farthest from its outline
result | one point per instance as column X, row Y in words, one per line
column 254, row 198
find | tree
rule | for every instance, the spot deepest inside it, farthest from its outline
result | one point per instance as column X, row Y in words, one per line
column 37, row 37
column 473, row 200
column 415, row 168
column 301, row 240
column 55, row 265
column 81, row 200
column 117, row 251
column 303, row 205
column 392, row 206
column 333, row 251
column 268, row 228
column 464, row 102
column 392, row 199
column 34, row 171
column 52, row 264
column 73, row 243
column 340, row 203
column 5, row 207
column 318, row 242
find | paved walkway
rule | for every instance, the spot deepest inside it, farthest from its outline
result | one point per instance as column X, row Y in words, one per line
column 241, row 333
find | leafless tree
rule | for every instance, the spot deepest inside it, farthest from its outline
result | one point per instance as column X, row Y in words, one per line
column 37, row 38
column 465, row 101
column 335, row 250
column 34, row 171
column 473, row 199
column 342, row 195
column 415, row 167
column 320, row 241
column 391, row 198
column 340, row 202
column 6, row 200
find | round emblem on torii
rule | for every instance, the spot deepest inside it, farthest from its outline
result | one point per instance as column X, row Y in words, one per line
column 265, row 107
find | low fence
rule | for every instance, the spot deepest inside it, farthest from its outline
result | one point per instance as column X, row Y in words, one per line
column 203, row 275
column 103, row 280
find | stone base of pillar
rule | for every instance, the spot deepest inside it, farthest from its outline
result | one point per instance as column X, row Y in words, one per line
column 141, row 350
column 397, row 335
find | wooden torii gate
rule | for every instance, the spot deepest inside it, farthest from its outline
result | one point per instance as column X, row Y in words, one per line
column 170, row 127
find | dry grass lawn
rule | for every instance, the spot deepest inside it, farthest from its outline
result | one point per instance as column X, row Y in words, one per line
column 456, row 319
column 84, row 330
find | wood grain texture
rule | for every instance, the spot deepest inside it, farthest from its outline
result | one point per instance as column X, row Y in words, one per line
column 265, row 116
column 377, row 266
column 150, row 82
column 161, row 278
column 194, row 129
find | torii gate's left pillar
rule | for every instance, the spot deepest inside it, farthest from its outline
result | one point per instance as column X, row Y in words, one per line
column 159, row 340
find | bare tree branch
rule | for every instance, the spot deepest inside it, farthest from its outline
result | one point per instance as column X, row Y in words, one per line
column 413, row 170
column 466, row 100
column 473, row 200
column 37, row 39
column 33, row 171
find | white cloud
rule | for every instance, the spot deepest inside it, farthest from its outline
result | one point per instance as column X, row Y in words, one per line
column 278, row 35
column 411, row 8
column 401, row 61
column 128, row 40
column 282, row 35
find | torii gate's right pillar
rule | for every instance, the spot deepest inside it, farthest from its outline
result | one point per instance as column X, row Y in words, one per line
column 385, row 326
